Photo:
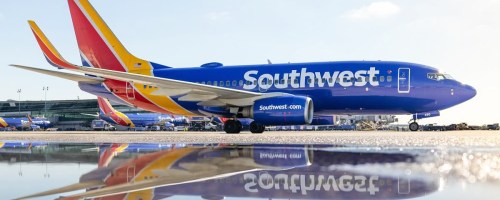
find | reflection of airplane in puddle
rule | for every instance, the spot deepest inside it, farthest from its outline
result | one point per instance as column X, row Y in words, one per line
column 257, row 171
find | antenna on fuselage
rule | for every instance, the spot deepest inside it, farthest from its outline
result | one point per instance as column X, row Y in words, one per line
column 269, row 62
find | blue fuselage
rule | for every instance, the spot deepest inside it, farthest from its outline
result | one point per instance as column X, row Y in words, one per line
column 347, row 87
column 141, row 119
column 24, row 122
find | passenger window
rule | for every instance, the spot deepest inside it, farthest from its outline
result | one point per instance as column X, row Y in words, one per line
column 203, row 82
column 269, row 82
column 309, row 81
column 241, row 82
column 255, row 82
column 221, row 83
column 209, row 82
column 150, row 86
column 296, row 81
column 338, row 80
column 374, row 78
column 382, row 79
column 228, row 83
column 276, row 81
column 249, row 83
column 330, row 80
column 215, row 83
column 360, row 79
column 234, row 83
column 282, row 81
column 389, row 78
column 145, row 86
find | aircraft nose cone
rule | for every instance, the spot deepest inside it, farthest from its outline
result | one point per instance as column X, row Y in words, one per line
column 470, row 92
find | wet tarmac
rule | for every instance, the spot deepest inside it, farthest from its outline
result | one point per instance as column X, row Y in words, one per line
column 325, row 165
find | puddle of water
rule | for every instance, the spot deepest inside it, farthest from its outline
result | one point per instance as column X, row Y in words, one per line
column 231, row 171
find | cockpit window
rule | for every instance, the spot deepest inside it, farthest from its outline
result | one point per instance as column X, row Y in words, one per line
column 439, row 76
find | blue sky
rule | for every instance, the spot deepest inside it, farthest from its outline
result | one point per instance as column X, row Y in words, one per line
column 457, row 36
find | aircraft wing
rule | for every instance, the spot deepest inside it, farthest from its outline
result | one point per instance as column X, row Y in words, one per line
column 189, row 173
column 66, row 75
column 208, row 95
column 69, row 188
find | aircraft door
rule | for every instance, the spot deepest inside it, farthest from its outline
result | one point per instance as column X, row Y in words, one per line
column 404, row 80
column 130, row 91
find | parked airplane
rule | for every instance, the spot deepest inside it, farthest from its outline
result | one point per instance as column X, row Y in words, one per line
column 271, row 94
column 23, row 123
column 132, row 120
column 250, row 171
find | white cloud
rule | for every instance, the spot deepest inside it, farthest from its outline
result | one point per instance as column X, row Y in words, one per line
column 380, row 9
column 214, row 16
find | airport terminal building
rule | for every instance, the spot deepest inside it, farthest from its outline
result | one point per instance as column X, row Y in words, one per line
column 64, row 114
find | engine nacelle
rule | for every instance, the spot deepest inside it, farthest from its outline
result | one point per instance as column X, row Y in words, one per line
column 283, row 110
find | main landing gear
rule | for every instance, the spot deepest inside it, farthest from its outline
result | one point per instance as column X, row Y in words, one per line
column 232, row 126
column 256, row 127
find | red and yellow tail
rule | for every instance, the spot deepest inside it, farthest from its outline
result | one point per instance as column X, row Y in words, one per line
column 3, row 123
column 115, row 115
column 99, row 47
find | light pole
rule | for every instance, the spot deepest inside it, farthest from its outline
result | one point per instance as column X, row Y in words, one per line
column 19, row 102
column 46, row 89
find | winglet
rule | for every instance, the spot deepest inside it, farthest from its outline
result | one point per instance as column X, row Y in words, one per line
column 49, row 51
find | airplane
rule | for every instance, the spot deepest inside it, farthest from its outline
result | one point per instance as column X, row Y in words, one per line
column 132, row 120
column 270, row 94
column 23, row 123
column 255, row 171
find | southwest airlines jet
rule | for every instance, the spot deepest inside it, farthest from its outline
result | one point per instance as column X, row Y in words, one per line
column 132, row 120
column 270, row 94
column 22, row 123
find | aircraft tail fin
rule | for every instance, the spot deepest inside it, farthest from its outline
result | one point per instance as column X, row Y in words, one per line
column 117, row 116
column 99, row 47
column 104, row 106
column 49, row 51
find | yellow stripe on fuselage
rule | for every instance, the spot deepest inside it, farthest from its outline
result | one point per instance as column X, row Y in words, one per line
column 164, row 162
column 1, row 144
column 164, row 102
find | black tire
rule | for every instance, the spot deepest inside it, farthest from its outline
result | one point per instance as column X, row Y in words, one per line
column 232, row 126
column 256, row 128
column 413, row 126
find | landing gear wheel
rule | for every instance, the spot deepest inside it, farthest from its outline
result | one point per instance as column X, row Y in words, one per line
column 413, row 126
column 256, row 127
column 232, row 126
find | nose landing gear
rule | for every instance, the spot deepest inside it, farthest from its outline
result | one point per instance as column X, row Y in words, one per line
column 414, row 126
